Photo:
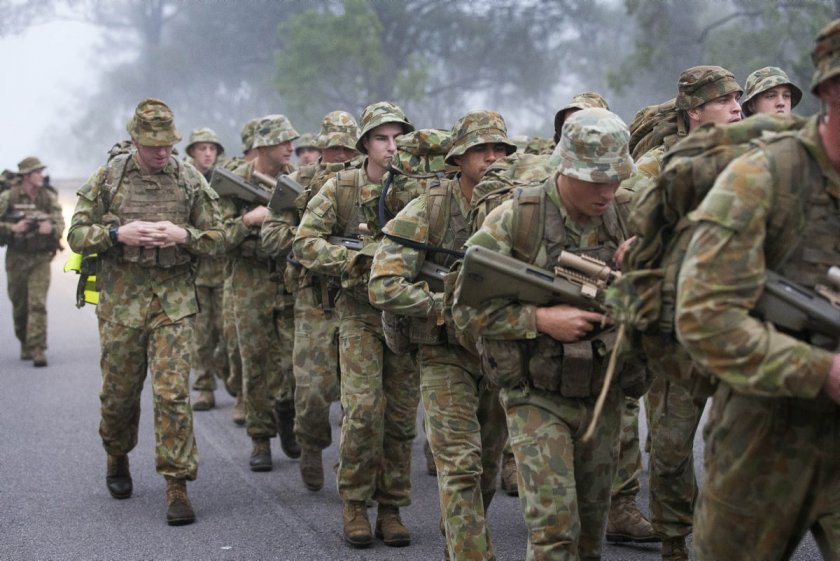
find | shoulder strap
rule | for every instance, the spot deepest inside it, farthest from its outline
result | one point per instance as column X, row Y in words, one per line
column 348, row 184
column 528, row 222
column 437, row 207
column 114, row 172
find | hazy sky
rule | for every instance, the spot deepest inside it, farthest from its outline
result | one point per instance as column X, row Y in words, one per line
column 44, row 68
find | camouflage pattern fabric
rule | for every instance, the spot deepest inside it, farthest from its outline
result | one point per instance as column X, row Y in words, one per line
column 594, row 147
column 234, row 357
column 629, row 467
column 161, row 347
column 782, row 480
column 307, row 140
column 145, row 316
column 464, row 421
column 28, row 272
column 583, row 100
column 246, row 134
column 475, row 128
column 765, row 79
column 379, row 390
column 210, row 350
column 338, row 128
column 564, row 484
column 700, row 84
column 29, row 164
column 826, row 55
column 153, row 124
column 263, row 315
column 272, row 130
column 205, row 134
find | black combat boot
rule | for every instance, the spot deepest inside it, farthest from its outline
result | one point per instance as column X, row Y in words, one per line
column 285, row 411
column 118, row 477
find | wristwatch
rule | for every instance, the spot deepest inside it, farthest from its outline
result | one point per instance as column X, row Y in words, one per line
column 112, row 233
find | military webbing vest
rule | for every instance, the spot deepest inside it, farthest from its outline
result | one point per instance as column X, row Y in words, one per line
column 32, row 241
column 164, row 198
column 448, row 228
column 574, row 370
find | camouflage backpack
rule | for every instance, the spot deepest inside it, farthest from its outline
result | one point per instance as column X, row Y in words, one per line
column 645, row 297
column 652, row 125
column 501, row 178
column 8, row 180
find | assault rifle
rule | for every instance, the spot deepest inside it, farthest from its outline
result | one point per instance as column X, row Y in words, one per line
column 577, row 280
column 430, row 272
column 799, row 311
column 285, row 189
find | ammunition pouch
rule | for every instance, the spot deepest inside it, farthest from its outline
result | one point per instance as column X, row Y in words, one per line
column 164, row 257
column 504, row 363
column 33, row 242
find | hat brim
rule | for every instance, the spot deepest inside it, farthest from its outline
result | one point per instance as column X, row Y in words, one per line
column 460, row 150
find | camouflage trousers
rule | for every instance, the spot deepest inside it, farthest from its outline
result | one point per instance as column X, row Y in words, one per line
column 315, row 361
column 163, row 348
column 264, row 315
column 231, row 341
column 673, row 416
column 626, row 480
column 210, row 352
column 564, row 483
column 465, row 425
column 380, row 392
column 28, row 281
column 772, row 473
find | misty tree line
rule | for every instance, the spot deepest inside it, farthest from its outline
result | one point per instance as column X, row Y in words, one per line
column 219, row 63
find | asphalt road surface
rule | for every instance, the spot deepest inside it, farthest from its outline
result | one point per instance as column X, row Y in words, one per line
column 54, row 504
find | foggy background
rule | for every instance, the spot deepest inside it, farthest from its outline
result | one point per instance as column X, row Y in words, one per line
column 75, row 70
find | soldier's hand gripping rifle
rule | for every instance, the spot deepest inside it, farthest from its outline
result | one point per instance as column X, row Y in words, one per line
column 25, row 211
column 285, row 189
column 577, row 280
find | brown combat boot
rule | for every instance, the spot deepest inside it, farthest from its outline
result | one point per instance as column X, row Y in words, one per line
column 118, row 477
column 311, row 468
column 239, row 410
column 285, row 411
column 261, row 455
column 179, row 509
column 626, row 523
column 25, row 354
column 205, row 401
column 390, row 528
column 674, row 549
column 356, row 524
column 510, row 485
column 39, row 358
column 431, row 468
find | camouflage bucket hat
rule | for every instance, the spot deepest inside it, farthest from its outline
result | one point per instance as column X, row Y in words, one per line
column 826, row 55
column 381, row 113
column 247, row 134
column 338, row 129
column 272, row 130
column 422, row 151
column 700, row 84
column 475, row 128
column 765, row 79
column 595, row 147
column 585, row 100
column 153, row 124
column 205, row 134
column 29, row 164
column 307, row 140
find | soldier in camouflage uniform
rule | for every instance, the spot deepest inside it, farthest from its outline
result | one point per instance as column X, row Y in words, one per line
column 673, row 407
column 625, row 521
column 146, row 215
column 210, row 355
column 315, row 356
column 772, row 467
column 769, row 90
column 263, row 308
column 233, row 383
column 307, row 149
column 31, row 226
column 379, row 389
column 465, row 423
column 564, row 483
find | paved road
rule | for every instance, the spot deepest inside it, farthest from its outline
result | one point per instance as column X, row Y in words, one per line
column 54, row 505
